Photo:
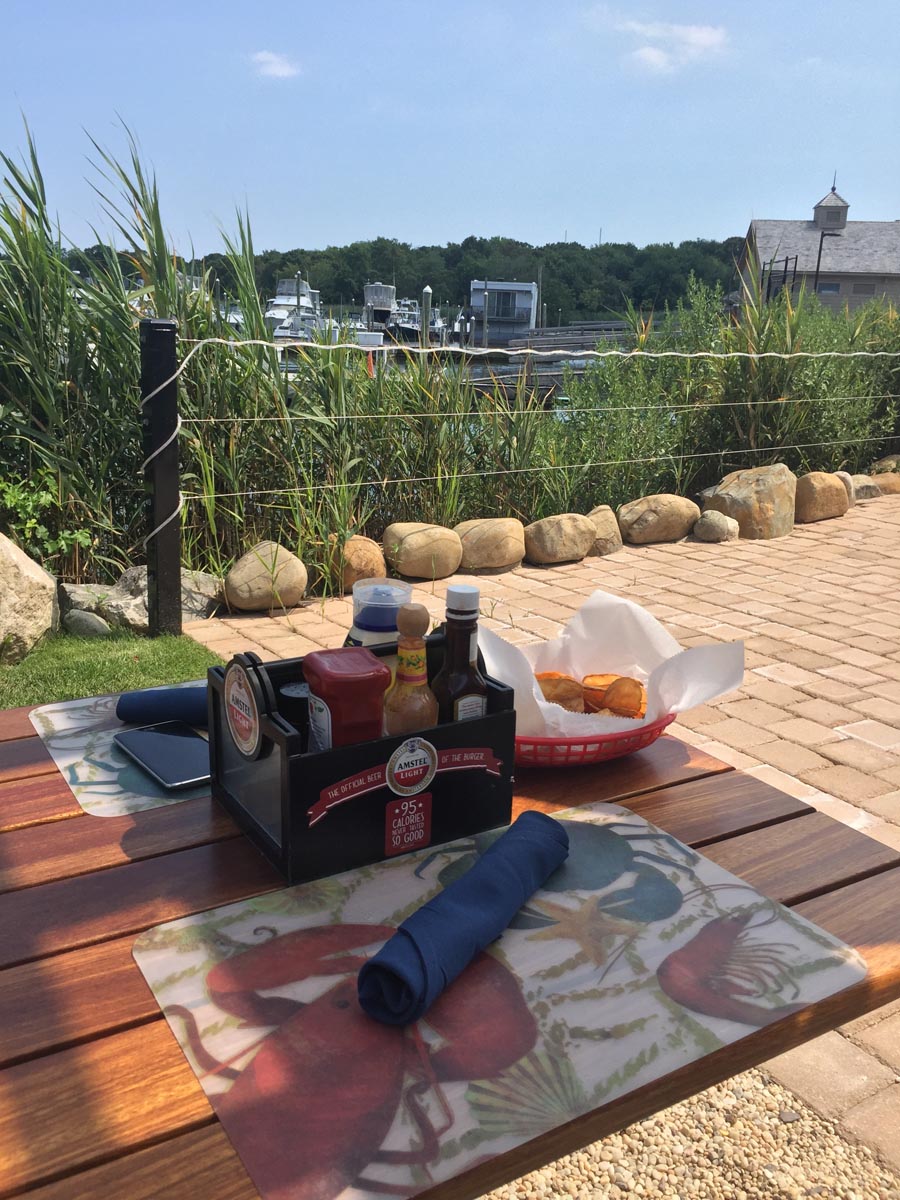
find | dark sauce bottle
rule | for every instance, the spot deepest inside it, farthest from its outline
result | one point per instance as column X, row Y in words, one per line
column 459, row 687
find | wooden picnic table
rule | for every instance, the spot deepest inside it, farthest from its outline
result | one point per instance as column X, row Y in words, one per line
column 96, row 1097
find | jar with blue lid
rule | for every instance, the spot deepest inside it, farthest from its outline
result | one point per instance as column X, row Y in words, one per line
column 376, row 603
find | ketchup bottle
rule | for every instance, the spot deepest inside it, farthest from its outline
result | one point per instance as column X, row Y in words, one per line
column 346, row 696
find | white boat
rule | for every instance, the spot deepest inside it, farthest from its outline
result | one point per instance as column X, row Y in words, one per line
column 294, row 311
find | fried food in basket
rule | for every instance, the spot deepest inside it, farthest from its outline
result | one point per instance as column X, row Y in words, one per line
column 595, row 689
column 626, row 697
column 561, row 689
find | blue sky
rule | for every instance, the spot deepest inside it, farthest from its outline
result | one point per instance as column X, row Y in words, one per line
column 430, row 121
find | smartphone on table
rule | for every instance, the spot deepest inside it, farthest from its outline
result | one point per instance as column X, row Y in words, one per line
column 172, row 752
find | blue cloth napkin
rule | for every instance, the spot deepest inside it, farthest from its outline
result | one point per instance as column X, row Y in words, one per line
column 442, row 937
column 152, row 705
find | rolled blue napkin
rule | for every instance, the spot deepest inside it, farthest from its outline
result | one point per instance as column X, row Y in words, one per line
column 442, row 937
column 152, row 705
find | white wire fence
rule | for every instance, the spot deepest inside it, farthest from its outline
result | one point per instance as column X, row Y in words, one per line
column 351, row 440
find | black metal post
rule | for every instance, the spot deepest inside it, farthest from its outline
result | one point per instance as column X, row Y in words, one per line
column 822, row 236
column 159, row 421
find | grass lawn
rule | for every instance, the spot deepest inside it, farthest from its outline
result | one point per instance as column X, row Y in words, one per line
column 67, row 668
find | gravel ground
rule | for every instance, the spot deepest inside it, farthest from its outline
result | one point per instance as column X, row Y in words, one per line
column 746, row 1139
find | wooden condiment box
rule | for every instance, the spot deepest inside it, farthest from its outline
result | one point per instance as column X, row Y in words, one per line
column 315, row 814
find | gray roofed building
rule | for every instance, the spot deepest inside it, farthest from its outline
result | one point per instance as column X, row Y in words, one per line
column 846, row 262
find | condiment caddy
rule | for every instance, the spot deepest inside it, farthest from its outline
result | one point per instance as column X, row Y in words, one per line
column 315, row 811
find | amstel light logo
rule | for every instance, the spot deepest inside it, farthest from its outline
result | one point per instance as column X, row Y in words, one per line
column 411, row 767
column 241, row 711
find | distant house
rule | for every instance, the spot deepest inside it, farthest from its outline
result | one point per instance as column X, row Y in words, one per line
column 511, row 308
column 845, row 262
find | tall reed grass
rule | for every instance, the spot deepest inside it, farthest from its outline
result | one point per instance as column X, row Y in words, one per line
column 327, row 450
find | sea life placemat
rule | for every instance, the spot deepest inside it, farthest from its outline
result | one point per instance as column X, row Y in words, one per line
column 636, row 958
column 105, row 782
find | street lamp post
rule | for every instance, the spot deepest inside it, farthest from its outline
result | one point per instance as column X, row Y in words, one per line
column 822, row 236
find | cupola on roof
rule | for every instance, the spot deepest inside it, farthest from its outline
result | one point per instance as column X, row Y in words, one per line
column 831, row 211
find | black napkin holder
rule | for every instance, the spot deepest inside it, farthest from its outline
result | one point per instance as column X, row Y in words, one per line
column 317, row 813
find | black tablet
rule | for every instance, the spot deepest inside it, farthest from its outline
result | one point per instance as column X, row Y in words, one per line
column 173, row 753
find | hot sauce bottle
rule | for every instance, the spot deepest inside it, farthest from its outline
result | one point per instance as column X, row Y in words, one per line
column 346, row 696
column 410, row 704
column 459, row 686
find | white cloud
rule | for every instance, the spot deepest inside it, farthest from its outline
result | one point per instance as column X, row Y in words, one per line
column 665, row 46
column 653, row 59
column 273, row 66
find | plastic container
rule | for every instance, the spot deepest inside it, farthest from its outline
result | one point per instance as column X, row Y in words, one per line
column 346, row 696
column 376, row 603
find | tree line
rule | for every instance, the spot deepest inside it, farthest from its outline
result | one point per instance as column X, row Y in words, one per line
column 578, row 283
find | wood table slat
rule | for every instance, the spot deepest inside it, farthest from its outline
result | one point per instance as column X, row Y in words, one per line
column 194, row 1166
column 54, row 1002
column 23, row 758
column 715, row 807
column 78, row 1107
column 63, row 849
column 34, row 801
column 70, row 913
column 667, row 762
column 797, row 860
column 14, row 723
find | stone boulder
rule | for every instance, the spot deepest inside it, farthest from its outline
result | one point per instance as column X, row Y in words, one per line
column 890, row 462
column 761, row 500
column 820, row 497
column 265, row 578
column 865, row 487
column 847, row 480
column 85, row 624
column 663, row 518
column 716, row 527
column 124, row 604
column 363, row 559
column 201, row 593
column 491, row 544
column 568, row 537
column 28, row 605
column 422, row 551
column 608, row 536
column 888, row 484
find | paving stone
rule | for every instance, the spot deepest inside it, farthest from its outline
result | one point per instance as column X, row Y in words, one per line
column 741, row 735
column 848, row 814
column 779, row 694
column 871, row 1018
column 846, row 783
column 834, row 690
column 855, row 675
column 886, row 806
column 892, row 775
column 789, row 757
column 874, row 732
column 830, row 1074
column 728, row 754
column 807, row 733
column 853, row 753
column 785, row 783
column 835, row 716
column 782, row 672
column 754, row 712
column 701, row 716
column 887, row 689
column 876, row 1121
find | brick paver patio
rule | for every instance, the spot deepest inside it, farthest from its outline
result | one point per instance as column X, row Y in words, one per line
column 818, row 714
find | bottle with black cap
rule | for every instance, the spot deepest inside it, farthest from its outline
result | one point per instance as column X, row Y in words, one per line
column 459, row 686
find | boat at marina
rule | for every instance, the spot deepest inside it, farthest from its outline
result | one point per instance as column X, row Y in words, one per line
column 294, row 311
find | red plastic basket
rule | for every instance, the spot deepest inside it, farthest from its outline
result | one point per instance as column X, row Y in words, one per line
column 580, row 751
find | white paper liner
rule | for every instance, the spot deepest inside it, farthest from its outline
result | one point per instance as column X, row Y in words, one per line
column 609, row 635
